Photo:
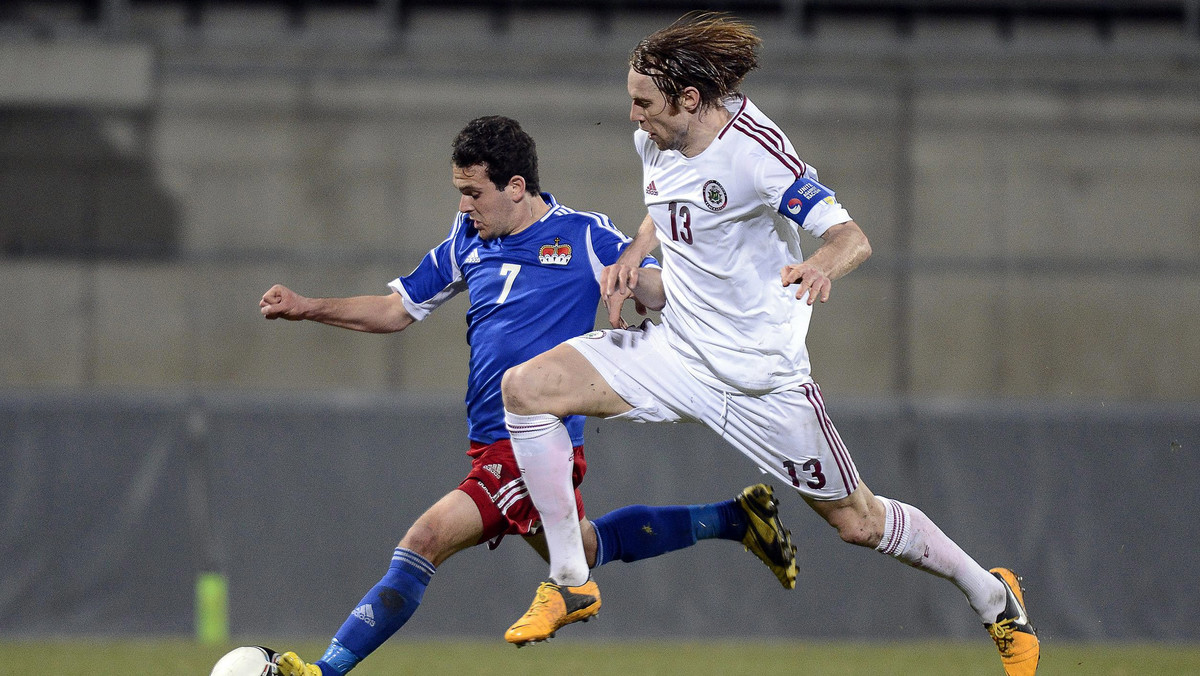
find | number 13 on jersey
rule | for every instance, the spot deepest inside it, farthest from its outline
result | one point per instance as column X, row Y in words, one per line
column 681, row 222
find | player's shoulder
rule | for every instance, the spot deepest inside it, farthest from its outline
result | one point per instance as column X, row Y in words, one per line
column 462, row 238
column 462, row 227
column 750, row 130
column 561, row 215
column 751, row 139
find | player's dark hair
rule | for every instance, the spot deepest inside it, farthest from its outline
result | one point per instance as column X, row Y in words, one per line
column 710, row 51
column 502, row 147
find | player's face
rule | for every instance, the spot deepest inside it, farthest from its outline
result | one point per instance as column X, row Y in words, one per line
column 488, row 206
column 666, row 123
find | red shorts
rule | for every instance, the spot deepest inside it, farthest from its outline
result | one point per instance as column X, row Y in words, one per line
column 496, row 486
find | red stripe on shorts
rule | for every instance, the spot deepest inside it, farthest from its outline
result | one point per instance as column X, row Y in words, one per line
column 840, row 455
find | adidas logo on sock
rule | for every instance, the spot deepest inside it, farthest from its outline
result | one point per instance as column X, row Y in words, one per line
column 494, row 469
column 365, row 613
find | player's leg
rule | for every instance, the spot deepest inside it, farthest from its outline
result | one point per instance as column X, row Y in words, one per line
column 810, row 453
column 452, row 524
column 822, row 471
column 582, row 377
column 906, row 533
column 641, row 532
column 537, row 395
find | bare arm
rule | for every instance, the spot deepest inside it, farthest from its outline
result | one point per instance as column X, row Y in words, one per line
column 845, row 248
column 643, row 243
column 626, row 278
column 371, row 314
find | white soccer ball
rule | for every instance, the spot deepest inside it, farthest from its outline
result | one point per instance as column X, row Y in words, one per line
column 246, row 661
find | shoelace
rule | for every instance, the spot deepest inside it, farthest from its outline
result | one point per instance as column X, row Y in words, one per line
column 542, row 598
column 1002, row 634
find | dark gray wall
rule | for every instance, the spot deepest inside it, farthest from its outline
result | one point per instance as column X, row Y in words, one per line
column 1034, row 203
column 110, row 505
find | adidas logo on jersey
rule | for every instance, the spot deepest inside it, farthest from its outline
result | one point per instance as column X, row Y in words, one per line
column 651, row 190
column 472, row 257
column 365, row 613
column 494, row 469
column 555, row 254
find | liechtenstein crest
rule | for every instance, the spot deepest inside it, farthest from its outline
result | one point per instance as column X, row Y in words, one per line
column 555, row 254
column 715, row 197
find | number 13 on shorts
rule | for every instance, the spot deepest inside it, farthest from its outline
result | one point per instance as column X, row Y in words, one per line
column 809, row 472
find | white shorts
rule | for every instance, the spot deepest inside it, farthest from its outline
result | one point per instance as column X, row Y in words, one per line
column 787, row 434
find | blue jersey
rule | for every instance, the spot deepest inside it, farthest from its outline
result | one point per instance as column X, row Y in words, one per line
column 529, row 292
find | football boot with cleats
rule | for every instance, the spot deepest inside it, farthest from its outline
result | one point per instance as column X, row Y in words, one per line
column 1012, row 631
column 765, row 536
column 290, row 664
column 554, row 607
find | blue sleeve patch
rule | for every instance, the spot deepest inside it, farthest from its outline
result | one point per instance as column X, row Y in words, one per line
column 801, row 197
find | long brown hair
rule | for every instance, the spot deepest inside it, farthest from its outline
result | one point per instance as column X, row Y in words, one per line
column 710, row 51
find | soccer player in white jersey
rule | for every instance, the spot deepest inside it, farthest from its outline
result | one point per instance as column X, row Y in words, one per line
column 727, row 196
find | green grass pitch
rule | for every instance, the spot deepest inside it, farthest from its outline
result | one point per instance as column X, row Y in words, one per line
column 177, row 657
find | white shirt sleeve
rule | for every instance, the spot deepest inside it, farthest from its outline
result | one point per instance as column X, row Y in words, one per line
column 802, row 199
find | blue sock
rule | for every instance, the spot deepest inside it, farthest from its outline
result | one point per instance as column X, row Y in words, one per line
column 380, row 614
column 724, row 520
column 640, row 532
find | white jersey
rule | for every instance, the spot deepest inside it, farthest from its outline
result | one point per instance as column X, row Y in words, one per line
column 727, row 222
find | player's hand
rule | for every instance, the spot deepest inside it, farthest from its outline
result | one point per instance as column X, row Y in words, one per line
column 811, row 280
column 280, row 301
column 617, row 283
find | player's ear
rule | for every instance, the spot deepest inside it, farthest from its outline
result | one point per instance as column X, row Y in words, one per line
column 515, row 188
column 689, row 99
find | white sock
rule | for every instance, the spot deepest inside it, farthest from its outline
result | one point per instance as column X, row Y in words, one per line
column 543, row 450
column 910, row 536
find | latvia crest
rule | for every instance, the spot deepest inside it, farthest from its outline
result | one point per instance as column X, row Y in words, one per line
column 555, row 254
column 714, row 195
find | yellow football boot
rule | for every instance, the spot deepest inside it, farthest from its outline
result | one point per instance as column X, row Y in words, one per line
column 1012, row 631
column 290, row 664
column 554, row 607
column 765, row 536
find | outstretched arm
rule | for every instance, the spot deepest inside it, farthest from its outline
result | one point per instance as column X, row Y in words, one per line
column 845, row 248
column 371, row 314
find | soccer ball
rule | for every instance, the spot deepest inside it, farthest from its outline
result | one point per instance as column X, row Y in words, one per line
column 246, row 661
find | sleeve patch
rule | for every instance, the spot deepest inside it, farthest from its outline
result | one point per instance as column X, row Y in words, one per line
column 799, row 199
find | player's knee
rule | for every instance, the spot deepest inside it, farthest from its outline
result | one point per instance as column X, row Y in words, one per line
column 423, row 539
column 513, row 388
column 856, row 536
column 521, row 390
column 857, row 529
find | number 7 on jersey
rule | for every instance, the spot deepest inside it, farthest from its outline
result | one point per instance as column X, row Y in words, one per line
column 510, row 271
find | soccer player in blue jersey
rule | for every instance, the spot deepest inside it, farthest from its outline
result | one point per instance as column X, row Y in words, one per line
column 531, row 268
